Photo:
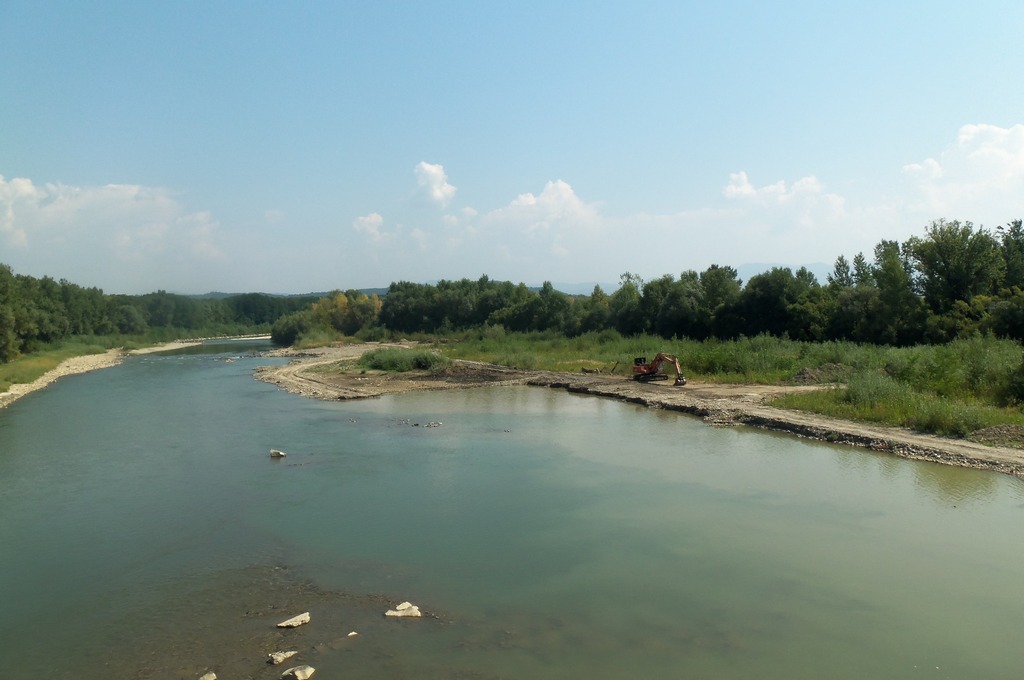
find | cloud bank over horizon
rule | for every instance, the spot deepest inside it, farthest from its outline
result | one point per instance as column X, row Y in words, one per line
column 133, row 238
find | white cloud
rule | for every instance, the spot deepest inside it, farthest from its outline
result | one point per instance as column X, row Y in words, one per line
column 120, row 233
column 434, row 181
column 13, row 195
column 143, row 241
column 556, row 222
column 370, row 225
column 557, row 208
column 805, row 204
column 979, row 177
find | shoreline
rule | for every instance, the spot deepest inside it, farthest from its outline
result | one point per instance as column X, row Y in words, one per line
column 718, row 405
column 86, row 363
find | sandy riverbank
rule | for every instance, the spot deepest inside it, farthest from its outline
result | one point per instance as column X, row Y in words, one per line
column 84, row 364
column 309, row 374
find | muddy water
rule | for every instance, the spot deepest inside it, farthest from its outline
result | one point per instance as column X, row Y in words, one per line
column 146, row 533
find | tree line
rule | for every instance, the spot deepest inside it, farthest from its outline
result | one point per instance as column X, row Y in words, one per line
column 956, row 280
column 36, row 312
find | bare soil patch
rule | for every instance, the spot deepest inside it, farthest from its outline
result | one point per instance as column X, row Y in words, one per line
column 324, row 374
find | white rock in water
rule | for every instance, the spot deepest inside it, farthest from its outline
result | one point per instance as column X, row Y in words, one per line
column 295, row 621
column 274, row 453
column 404, row 609
column 279, row 657
column 209, row 676
column 298, row 673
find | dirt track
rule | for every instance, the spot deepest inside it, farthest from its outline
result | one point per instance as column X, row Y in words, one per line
column 719, row 405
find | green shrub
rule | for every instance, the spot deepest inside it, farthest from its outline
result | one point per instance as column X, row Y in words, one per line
column 399, row 360
column 373, row 334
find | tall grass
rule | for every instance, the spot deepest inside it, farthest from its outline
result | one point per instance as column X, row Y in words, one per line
column 872, row 396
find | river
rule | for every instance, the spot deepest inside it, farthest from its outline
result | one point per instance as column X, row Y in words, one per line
column 145, row 532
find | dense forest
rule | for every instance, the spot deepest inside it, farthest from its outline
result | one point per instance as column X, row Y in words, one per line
column 954, row 281
column 36, row 313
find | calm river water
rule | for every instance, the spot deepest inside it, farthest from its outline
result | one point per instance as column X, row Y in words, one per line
column 146, row 533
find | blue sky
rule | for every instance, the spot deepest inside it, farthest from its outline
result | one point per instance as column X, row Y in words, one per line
column 292, row 147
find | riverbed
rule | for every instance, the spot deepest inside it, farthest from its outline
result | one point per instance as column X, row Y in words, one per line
column 147, row 533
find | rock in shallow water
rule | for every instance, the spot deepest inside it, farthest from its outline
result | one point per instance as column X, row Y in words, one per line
column 404, row 609
column 298, row 673
column 295, row 621
column 279, row 657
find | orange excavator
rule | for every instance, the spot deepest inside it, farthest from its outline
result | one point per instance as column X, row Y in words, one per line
column 647, row 372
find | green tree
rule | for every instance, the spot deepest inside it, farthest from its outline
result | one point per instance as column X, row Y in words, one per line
column 842, row 275
column 287, row 329
column 129, row 320
column 652, row 299
column 1011, row 247
column 591, row 312
column 956, row 262
column 684, row 311
column 626, row 315
column 862, row 274
column 8, row 338
column 722, row 287
column 902, row 312
column 764, row 304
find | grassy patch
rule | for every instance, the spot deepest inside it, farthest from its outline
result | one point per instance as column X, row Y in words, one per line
column 877, row 398
column 398, row 360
